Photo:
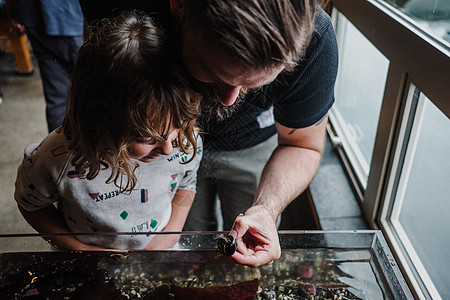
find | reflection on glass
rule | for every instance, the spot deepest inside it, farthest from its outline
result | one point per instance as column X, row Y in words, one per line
column 424, row 207
column 359, row 89
column 313, row 265
column 433, row 16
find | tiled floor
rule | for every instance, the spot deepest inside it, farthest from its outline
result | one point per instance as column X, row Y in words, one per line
column 22, row 121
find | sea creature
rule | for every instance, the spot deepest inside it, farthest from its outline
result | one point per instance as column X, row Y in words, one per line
column 226, row 245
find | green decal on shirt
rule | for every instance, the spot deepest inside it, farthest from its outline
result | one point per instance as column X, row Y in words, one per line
column 153, row 223
column 173, row 186
column 124, row 215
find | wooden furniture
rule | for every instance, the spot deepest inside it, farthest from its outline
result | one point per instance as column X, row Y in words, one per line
column 19, row 47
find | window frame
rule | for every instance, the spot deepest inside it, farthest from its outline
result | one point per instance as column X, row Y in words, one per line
column 416, row 59
column 408, row 135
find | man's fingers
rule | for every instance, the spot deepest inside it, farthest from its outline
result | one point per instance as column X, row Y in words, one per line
column 239, row 228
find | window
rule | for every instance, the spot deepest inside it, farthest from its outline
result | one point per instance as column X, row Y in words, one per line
column 399, row 139
column 359, row 92
column 416, row 213
column 431, row 16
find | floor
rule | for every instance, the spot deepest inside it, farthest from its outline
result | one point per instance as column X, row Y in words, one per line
column 22, row 121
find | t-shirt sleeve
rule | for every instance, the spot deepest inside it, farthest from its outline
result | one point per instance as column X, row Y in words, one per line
column 34, row 187
column 307, row 93
column 189, row 181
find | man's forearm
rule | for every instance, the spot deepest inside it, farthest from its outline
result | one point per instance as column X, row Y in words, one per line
column 287, row 174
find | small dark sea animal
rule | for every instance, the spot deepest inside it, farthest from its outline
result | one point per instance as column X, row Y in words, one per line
column 226, row 245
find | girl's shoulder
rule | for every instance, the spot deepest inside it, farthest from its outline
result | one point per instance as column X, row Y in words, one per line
column 52, row 155
column 54, row 145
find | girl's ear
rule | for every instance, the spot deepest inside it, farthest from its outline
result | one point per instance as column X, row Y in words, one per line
column 177, row 9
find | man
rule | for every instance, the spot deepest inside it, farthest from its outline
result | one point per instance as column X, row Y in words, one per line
column 269, row 67
column 55, row 30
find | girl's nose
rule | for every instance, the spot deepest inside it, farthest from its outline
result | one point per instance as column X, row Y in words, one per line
column 165, row 147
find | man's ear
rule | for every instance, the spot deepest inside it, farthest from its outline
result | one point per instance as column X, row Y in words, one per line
column 177, row 9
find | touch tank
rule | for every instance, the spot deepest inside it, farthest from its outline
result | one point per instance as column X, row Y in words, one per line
column 313, row 265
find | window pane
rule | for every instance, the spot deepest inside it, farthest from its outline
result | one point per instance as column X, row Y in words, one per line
column 422, row 202
column 433, row 16
column 359, row 90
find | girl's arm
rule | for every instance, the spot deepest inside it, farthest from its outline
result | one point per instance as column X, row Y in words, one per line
column 181, row 204
column 49, row 220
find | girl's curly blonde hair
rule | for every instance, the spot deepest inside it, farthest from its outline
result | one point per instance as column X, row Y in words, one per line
column 125, row 85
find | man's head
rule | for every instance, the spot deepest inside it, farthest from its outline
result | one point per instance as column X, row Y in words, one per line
column 234, row 44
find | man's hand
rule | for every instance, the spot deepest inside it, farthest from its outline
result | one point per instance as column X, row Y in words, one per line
column 257, row 238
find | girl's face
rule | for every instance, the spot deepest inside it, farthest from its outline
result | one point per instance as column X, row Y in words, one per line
column 148, row 149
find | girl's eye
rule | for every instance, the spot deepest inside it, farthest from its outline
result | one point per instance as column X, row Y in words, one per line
column 149, row 141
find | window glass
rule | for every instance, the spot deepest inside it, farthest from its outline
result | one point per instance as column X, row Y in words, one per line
column 433, row 16
column 421, row 211
column 359, row 90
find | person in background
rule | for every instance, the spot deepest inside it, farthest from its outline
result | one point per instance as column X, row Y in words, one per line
column 55, row 31
column 127, row 154
column 268, row 68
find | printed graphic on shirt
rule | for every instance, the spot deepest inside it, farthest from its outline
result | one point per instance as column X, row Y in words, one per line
column 32, row 197
column 71, row 220
column 144, row 195
column 28, row 202
column 185, row 157
column 60, row 150
column 27, row 158
column 124, row 215
column 173, row 157
column 35, row 149
column 76, row 174
column 145, row 226
column 104, row 196
column 173, row 183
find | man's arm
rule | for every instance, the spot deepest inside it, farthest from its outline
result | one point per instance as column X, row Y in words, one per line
column 288, row 172
column 291, row 167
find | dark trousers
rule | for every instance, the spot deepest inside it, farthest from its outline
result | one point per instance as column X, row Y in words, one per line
column 55, row 56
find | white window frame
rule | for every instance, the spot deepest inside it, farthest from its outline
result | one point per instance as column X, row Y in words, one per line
column 416, row 59
column 396, row 188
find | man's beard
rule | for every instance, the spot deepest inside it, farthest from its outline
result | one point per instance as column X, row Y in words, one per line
column 213, row 109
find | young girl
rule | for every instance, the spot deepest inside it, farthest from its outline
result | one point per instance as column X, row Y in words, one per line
column 126, row 157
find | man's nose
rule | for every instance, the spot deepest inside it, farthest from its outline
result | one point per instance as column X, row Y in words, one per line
column 165, row 147
column 226, row 94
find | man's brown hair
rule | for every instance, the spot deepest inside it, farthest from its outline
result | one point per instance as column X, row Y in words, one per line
column 260, row 34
